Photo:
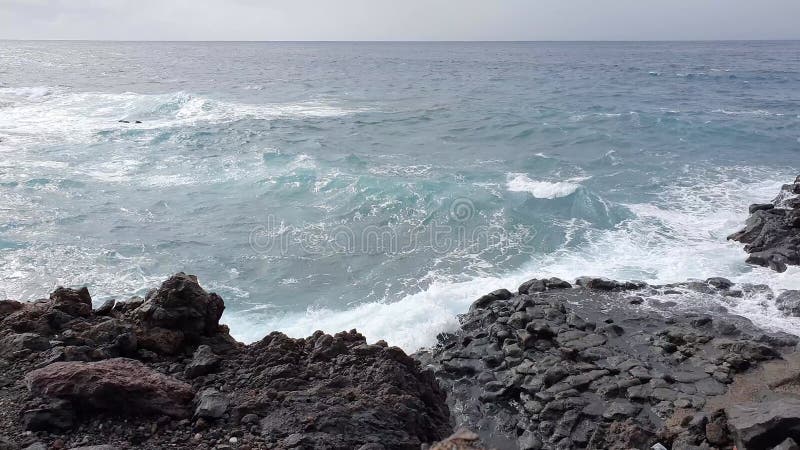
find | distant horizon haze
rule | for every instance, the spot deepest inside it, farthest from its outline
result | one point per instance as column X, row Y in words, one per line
column 410, row 21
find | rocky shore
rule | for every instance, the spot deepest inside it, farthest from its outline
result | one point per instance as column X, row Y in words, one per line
column 610, row 365
column 772, row 232
column 555, row 364
column 161, row 372
column 591, row 364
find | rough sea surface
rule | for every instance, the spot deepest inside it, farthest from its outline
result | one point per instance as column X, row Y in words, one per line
column 385, row 186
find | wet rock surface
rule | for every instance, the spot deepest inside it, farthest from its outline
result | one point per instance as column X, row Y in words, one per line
column 772, row 232
column 161, row 372
column 586, row 367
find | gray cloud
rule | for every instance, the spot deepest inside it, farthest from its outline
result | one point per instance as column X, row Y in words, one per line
column 399, row 20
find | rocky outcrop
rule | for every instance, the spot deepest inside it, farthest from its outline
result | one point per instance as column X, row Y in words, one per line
column 607, row 365
column 336, row 392
column 594, row 363
column 772, row 232
column 162, row 372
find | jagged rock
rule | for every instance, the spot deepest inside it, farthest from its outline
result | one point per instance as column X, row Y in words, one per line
column 765, row 424
column 73, row 302
column 340, row 382
column 106, row 308
column 203, row 362
column 116, row 385
column 772, row 234
column 181, row 304
column 354, row 394
column 486, row 300
column 211, row 404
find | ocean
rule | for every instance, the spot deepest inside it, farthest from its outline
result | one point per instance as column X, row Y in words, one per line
column 385, row 186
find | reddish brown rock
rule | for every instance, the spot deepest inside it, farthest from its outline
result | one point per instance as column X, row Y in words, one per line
column 160, row 340
column 116, row 385
column 462, row 439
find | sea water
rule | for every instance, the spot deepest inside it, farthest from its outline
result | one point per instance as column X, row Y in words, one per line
column 385, row 186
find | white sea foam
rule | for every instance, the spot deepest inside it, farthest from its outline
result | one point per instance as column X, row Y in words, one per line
column 520, row 182
column 679, row 237
column 43, row 114
column 30, row 93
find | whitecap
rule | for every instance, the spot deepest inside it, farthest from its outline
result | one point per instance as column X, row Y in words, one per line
column 520, row 182
column 43, row 114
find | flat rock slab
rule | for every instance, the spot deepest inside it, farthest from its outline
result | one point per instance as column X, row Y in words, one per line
column 116, row 385
column 765, row 424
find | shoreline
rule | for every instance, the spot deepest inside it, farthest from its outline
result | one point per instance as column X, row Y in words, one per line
column 555, row 364
column 589, row 363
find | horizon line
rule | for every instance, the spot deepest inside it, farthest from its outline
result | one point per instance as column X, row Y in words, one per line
column 402, row 41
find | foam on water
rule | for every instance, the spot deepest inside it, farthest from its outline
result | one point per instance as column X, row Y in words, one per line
column 45, row 114
column 520, row 182
column 681, row 236
column 322, row 136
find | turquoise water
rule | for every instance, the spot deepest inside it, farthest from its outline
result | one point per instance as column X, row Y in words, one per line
column 384, row 186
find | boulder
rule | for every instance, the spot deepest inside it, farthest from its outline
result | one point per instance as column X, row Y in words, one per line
column 760, row 207
column 211, row 404
column 488, row 299
column 203, row 362
column 106, row 308
column 182, row 305
column 117, row 385
column 789, row 303
column 765, row 424
column 76, row 303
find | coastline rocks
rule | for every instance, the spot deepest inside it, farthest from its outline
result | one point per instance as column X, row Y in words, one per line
column 339, row 392
column 116, row 385
column 772, row 232
column 161, row 372
column 585, row 368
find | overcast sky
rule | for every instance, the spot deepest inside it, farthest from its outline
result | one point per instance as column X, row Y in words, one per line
column 400, row 19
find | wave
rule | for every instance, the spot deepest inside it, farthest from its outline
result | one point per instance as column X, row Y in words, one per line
column 33, row 114
column 680, row 236
column 520, row 182
column 30, row 93
column 757, row 112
